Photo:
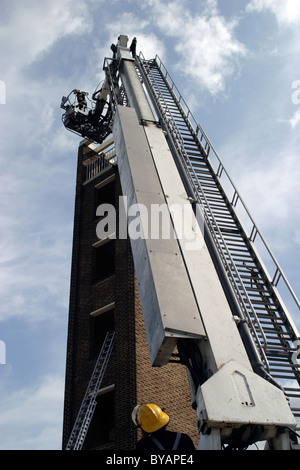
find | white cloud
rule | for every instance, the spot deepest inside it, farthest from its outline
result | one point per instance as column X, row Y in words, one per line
column 36, row 236
column 287, row 12
column 35, row 26
column 31, row 418
column 211, row 53
column 36, row 220
column 205, row 42
column 35, row 267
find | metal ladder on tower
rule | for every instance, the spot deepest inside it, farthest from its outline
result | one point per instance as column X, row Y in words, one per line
column 272, row 328
column 86, row 411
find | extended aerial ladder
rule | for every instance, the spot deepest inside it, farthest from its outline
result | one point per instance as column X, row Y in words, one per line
column 204, row 288
column 89, row 402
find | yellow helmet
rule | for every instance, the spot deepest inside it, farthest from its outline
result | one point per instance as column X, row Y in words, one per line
column 150, row 417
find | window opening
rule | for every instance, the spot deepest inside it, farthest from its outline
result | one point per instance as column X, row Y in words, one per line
column 104, row 260
column 99, row 325
column 101, row 429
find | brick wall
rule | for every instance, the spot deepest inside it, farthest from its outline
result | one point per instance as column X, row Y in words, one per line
column 129, row 370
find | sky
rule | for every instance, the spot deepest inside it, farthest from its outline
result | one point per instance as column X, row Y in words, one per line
column 236, row 62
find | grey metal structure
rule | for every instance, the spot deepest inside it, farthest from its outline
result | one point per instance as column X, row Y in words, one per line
column 217, row 303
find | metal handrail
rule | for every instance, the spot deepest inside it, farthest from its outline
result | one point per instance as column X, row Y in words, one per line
column 96, row 166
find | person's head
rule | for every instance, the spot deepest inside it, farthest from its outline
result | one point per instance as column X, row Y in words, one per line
column 150, row 417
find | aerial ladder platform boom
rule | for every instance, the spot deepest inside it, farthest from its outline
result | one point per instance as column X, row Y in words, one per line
column 204, row 286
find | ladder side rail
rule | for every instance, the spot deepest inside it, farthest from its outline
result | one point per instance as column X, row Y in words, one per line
column 195, row 126
column 80, row 421
column 80, row 436
column 78, row 430
column 173, row 87
column 278, row 274
column 101, row 364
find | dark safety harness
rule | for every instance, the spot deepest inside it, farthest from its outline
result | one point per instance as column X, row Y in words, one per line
column 161, row 447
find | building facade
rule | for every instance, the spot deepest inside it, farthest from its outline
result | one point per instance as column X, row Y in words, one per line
column 104, row 297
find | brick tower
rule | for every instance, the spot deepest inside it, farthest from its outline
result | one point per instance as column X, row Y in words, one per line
column 104, row 297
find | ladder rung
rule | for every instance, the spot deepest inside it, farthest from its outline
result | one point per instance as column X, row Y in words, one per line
column 88, row 405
